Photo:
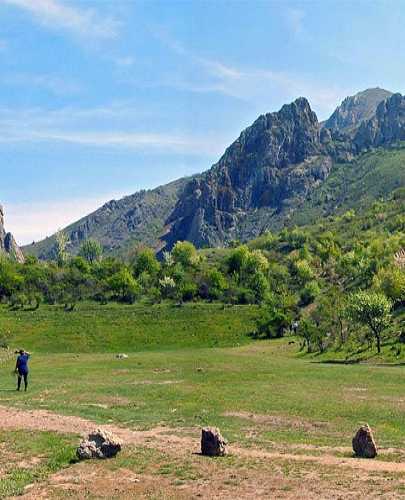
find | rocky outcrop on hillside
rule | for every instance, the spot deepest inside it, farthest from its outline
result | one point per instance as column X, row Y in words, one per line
column 385, row 127
column 8, row 244
column 281, row 156
column 356, row 109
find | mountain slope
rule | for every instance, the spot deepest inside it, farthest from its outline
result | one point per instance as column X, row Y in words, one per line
column 356, row 109
column 285, row 168
column 119, row 224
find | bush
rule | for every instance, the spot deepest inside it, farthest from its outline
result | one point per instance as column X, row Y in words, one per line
column 309, row 293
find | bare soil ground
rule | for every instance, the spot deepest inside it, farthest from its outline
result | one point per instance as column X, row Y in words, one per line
column 246, row 473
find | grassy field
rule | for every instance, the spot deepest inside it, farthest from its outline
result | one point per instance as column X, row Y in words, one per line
column 117, row 328
column 263, row 395
column 316, row 403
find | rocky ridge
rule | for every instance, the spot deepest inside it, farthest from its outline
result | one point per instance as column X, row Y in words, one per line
column 355, row 110
column 265, row 175
column 8, row 244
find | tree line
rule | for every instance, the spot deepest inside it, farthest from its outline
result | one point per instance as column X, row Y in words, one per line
column 337, row 281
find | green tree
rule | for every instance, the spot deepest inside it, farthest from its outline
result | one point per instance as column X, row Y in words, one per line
column 91, row 250
column 10, row 280
column 185, row 253
column 145, row 262
column 62, row 254
column 276, row 316
column 391, row 281
column 371, row 309
column 125, row 286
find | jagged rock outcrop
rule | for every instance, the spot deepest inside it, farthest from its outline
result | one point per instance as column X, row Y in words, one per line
column 8, row 244
column 281, row 156
column 355, row 110
column 385, row 127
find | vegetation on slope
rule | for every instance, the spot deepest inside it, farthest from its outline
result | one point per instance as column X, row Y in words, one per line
column 310, row 276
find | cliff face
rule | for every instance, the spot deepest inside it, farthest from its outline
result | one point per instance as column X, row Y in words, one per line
column 8, row 244
column 356, row 109
column 385, row 127
column 280, row 157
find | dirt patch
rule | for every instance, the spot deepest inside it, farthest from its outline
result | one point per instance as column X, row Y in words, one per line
column 155, row 382
column 278, row 421
column 246, row 473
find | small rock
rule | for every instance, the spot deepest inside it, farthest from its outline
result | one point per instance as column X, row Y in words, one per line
column 212, row 443
column 99, row 444
column 363, row 443
column 122, row 356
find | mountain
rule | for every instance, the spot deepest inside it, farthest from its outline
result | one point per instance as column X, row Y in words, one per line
column 278, row 158
column 8, row 244
column 356, row 109
column 119, row 224
column 285, row 168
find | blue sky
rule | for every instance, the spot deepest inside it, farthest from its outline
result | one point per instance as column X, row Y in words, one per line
column 100, row 98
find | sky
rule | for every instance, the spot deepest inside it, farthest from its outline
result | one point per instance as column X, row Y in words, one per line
column 101, row 98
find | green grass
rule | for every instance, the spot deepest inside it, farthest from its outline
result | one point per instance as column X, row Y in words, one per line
column 319, row 404
column 263, row 393
column 117, row 328
column 52, row 452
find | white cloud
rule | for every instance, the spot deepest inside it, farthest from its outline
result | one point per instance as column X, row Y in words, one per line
column 34, row 221
column 82, row 127
column 253, row 84
column 57, row 15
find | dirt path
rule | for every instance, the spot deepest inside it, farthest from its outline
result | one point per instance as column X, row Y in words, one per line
column 164, row 438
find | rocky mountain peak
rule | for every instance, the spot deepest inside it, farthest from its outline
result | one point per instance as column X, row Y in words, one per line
column 277, row 157
column 355, row 110
column 8, row 244
column 385, row 127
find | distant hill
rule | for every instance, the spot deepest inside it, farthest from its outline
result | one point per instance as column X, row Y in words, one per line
column 285, row 168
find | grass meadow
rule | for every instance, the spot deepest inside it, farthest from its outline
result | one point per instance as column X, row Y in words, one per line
column 188, row 367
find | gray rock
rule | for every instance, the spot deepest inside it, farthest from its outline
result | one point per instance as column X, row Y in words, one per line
column 386, row 127
column 212, row 443
column 355, row 110
column 363, row 443
column 8, row 244
column 99, row 444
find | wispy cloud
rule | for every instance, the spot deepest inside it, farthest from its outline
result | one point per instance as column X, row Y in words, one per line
column 252, row 84
column 55, row 14
column 86, row 127
column 54, row 84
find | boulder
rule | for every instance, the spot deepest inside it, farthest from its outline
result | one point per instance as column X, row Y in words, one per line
column 122, row 356
column 99, row 444
column 363, row 443
column 212, row 443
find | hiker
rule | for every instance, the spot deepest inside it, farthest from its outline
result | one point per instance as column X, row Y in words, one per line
column 21, row 368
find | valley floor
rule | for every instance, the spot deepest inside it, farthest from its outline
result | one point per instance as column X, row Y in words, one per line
column 289, row 422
